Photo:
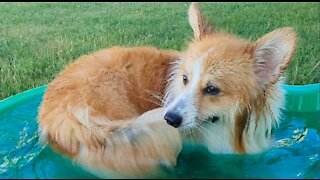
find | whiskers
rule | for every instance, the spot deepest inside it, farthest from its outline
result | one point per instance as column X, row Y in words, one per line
column 202, row 127
column 203, row 130
column 149, row 100
column 158, row 98
column 192, row 135
column 157, row 95
column 210, row 123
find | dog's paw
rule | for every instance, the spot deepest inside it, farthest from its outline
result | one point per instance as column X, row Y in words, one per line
column 155, row 115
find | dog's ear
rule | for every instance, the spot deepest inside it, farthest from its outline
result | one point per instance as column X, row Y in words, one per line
column 273, row 53
column 200, row 25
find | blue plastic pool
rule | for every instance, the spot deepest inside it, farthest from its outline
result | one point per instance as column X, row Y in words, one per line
column 295, row 152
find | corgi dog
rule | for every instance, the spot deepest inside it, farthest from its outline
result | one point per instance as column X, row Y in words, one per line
column 103, row 112
column 125, row 112
column 225, row 92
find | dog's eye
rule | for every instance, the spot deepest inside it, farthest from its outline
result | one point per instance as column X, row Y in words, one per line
column 185, row 79
column 211, row 90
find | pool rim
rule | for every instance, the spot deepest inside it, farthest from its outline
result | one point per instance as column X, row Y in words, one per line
column 291, row 90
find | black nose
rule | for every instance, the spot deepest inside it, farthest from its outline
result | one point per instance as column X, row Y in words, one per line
column 173, row 119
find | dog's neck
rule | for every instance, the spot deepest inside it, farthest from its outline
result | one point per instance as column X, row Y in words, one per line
column 259, row 140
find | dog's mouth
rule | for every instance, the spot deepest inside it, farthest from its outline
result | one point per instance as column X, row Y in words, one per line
column 212, row 119
column 187, row 127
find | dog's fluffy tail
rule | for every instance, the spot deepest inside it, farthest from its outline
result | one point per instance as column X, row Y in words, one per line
column 132, row 147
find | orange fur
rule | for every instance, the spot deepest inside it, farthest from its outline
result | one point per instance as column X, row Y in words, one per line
column 93, row 110
column 247, row 74
column 104, row 93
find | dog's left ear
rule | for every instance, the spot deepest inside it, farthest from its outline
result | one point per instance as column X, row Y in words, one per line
column 273, row 53
column 200, row 25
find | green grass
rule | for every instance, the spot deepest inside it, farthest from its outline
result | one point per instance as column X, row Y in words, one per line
column 38, row 39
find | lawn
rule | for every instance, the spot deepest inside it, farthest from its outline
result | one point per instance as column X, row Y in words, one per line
column 38, row 39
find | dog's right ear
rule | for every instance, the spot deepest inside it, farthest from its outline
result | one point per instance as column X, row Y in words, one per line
column 200, row 25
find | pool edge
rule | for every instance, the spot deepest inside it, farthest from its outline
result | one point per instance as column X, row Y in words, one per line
column 299, row 97
column 12, row 101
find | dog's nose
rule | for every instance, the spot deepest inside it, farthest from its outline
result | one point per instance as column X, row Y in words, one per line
column 173, row 119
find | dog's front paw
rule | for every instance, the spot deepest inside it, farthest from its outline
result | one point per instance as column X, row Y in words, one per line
column 151, row 116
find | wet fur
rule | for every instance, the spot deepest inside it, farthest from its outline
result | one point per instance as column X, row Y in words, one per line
column 94, row 109
column 249, row 76
column 101, row 111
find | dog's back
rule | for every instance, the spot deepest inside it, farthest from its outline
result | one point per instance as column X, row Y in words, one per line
column 100, row 95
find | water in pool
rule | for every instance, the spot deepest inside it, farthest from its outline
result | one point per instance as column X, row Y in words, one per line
column 295, row 152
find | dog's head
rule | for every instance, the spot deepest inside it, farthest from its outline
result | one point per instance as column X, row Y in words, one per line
column 224, row 80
